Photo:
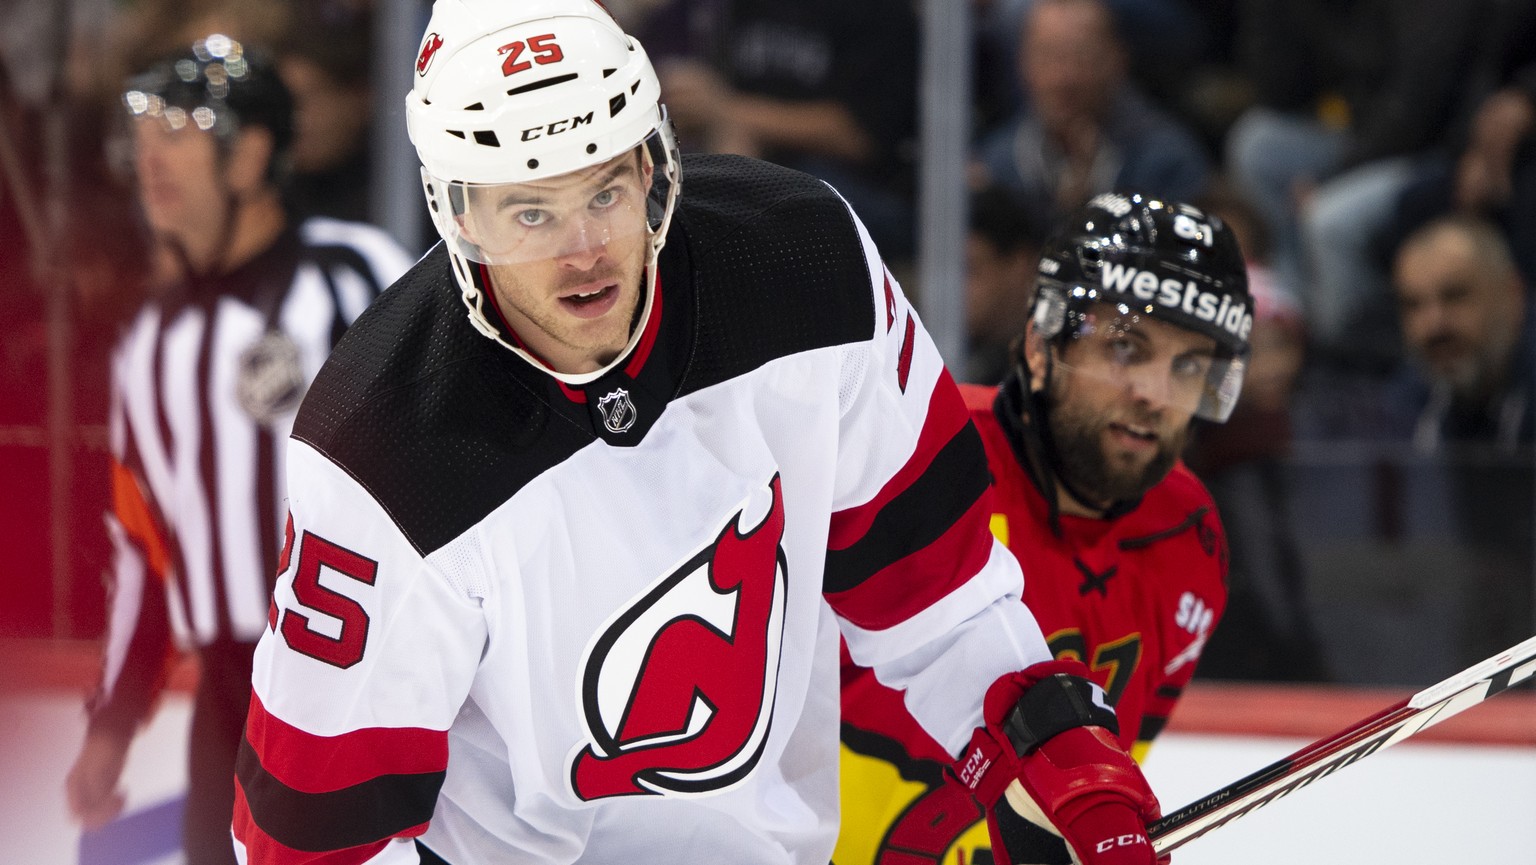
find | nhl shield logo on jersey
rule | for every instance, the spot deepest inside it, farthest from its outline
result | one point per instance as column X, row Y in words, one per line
column 618, row 411
column 678, row 687
column 271, row 378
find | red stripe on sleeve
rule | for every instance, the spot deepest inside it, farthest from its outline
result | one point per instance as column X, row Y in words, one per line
column 909, row 586
column 946, row 416
column 890, row 304
column 322, row 764
column 904, row 360
column 263, row 849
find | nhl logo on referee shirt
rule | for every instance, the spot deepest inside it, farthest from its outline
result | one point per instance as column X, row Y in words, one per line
column 270, row 379
column 618, row 411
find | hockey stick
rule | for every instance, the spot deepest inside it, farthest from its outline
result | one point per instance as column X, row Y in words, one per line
column 1331, row 753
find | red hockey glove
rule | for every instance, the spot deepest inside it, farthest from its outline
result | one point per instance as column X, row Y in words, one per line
column 1046, row 761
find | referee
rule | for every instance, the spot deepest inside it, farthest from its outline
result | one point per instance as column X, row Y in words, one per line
column 206, row 379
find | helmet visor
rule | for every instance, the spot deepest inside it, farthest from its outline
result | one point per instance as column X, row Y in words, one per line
column 603, row 208
column 1166, row 365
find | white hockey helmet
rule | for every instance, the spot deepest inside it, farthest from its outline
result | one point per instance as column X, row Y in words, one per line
column 517, row 92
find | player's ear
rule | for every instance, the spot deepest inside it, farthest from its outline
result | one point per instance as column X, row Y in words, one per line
column 1036, row 351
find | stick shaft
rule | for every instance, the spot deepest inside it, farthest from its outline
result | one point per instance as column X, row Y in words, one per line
column 1352, row 744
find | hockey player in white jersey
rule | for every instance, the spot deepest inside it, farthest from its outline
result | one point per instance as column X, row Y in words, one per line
column 565, row 576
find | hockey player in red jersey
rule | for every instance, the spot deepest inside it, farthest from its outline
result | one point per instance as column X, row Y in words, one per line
column 565, row 576
column 1140, row 323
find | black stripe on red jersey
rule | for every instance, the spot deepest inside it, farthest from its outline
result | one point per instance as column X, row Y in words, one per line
column 363, row 813
column 917, row 516
column 1151, row 726
column 888, row 750
column 1169, row 692
column 1189, row 522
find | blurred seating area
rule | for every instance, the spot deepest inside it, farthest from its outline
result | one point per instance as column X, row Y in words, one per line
column 1378, row 157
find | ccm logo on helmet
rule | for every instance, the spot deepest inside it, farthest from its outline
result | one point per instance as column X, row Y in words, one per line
column 1186, row 297
column 557, row 127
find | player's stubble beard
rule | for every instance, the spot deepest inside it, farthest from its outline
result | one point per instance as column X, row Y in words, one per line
column 1079, row 434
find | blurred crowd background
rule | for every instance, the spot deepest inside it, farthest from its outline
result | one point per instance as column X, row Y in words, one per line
column 1376, row 157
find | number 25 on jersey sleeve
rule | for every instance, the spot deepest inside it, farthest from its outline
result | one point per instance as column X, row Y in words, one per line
column 345, row 648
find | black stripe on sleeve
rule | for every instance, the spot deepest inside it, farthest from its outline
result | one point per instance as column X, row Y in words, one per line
column 1151, row 726
column 918, row 515
column 888, row 750
column 319, row 822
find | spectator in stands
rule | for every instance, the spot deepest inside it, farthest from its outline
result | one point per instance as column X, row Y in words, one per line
column 1001, row 250
column 1352, row 96
column 1469, row 338
column 1085, row 128
column 1490, row 167
column 810, row 85
column 1165, row 40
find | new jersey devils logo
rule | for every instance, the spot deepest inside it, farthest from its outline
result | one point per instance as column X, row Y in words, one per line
column 428, row 51
column 678, row 689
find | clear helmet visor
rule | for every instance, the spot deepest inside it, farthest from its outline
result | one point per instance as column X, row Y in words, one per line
column 604, row 209
column 1166, row 365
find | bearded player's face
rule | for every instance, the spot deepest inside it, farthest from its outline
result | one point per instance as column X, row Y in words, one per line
column 1122, row 393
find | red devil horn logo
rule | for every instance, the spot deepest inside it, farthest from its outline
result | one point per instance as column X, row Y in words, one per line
column 428, row 51
column 678, row 690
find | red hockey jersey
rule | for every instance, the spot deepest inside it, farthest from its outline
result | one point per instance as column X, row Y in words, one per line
column 1134, row 597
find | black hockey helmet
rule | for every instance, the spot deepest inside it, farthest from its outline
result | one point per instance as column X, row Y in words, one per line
column 219, row 86
column 1167, row 260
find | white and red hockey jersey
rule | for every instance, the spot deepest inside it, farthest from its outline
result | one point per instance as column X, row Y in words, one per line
column 527, row 621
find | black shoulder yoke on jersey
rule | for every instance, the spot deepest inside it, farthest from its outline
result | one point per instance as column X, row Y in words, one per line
column 441, row 425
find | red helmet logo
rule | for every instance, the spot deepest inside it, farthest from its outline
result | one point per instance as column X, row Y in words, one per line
column 428, row 51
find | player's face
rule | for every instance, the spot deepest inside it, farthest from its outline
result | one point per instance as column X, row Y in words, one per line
column 1123, row 392
column 179, row 186
column 566, row 257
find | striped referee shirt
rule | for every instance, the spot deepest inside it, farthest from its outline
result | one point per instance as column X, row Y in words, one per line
column 206, row 382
